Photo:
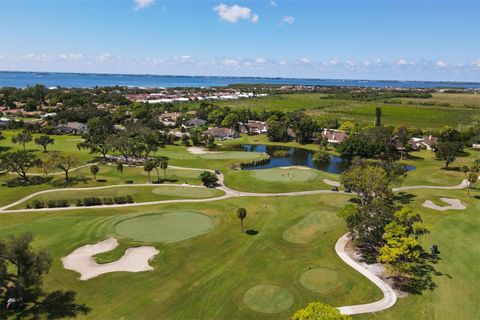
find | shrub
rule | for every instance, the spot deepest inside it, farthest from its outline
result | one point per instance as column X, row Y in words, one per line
column 107, row 201
column 92, row 201
column 129, row 199
column 321, row 157
column 119, row 200
column 62, row 203
column 37, row 204
column 28, row 205
column 79, row 203
column 51, row 204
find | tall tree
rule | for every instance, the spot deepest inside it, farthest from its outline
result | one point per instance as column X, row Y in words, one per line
column 120, row 168
column 208, row 178
column 447, row 151
column 241, row 214
column 378, row 117
column 44, row 141
column 148, row 166
column 94, row 170
column 19, row 162
column 472, row 178
column 22, row 268
column 62, row 162
column 22, row 138
column 97, row 139
column 403, row 139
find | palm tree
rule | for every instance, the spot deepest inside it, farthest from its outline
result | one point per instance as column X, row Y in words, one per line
column 148, row 166
column 164, row 166
column 94, row 170
column 120, row 168
column 241, row 214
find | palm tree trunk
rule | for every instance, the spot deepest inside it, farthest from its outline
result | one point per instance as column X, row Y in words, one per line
column 241, row 223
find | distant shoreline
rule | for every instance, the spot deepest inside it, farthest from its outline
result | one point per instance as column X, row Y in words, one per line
column 21, row 79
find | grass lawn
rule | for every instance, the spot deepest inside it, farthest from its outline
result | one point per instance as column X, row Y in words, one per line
column 222, row 264
column 138, row 193
column 464, row 107
column 456, row 234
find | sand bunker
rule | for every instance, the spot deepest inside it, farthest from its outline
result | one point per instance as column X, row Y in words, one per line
column 198, row 150
column 332, row 183
column 134, row 259
column 455, row 204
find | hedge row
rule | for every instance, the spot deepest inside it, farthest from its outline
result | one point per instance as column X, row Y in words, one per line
column 38, row 204
column 85, row 202
column 94, row 201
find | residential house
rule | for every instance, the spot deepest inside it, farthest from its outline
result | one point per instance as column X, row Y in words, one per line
column 195, row 122
column 222, row 133
column 73, row 128
column 425, row 142
column 334, row 136
column 254, row 127
column 169, row 118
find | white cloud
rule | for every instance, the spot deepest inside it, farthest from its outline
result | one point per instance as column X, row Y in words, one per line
column 476, row 63
column 288, row 19
column 235, row 13
column 71, row 56
column 282, row 62
column 332, row 62
column 305, row 60
column 441, row 64
column 183, row 59
column 402, row 62
column 142, row 4
column 350, row 63
column 273, row 3
column 230, row 62
column 260, row 61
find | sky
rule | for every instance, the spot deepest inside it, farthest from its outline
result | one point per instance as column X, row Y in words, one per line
column 362, row 39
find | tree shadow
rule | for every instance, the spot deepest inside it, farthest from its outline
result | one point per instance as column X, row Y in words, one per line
column 31, row 181
column 251, row 232
column 71, row 182
column 404, row 198
column 456, row 169
column 55, row 305
column 421, row 275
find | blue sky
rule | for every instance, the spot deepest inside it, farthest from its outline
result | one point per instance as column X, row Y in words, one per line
column 390, row 39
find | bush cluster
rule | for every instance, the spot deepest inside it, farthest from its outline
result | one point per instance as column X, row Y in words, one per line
column 95, row 201
column 38, row 204
column 253, row 163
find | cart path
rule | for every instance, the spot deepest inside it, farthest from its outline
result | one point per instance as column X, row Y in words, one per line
column 389, row 296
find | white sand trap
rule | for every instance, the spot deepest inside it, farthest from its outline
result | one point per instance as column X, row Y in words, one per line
column 134, row 259
column 198, row 150
column 454, row 204
column 296, row 167
column 332, row 183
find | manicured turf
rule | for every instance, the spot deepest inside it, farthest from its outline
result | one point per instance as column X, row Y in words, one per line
column 167, row 227
column 321, row 280
column 138, row 193
column 268, row 298
column 311, row 226
column 284, row 174
column 204, row 277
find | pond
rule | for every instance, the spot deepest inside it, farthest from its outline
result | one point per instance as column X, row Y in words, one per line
column 298, row 157
column 295, row 157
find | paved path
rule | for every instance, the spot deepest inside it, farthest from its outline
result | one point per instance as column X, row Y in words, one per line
column 389, row 296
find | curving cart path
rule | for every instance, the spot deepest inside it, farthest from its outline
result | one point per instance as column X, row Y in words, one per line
column 389, row 296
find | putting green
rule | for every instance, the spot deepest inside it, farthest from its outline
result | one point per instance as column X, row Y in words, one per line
column 268, row 298
column 284, row 175
column 321, row 280
column 186, row 192
column 310, row 226
column 166, row 227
